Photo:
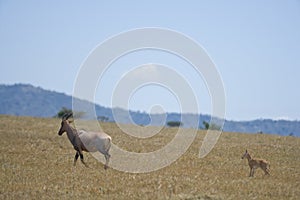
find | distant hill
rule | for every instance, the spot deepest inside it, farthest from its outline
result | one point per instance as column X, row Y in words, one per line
column 28, row 100
column 21, row 99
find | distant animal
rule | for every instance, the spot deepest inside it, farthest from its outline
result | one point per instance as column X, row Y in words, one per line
column 86, row 141
column 255, row 163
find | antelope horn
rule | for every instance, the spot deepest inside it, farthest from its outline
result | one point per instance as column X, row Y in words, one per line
column 67, row 116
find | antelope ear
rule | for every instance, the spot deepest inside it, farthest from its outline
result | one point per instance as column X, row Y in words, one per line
column 246, row 151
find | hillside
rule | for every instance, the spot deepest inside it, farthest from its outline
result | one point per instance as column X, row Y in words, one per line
column 36, row 163
column 28, row 100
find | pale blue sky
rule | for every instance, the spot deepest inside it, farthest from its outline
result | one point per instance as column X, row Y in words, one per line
column 254, row 44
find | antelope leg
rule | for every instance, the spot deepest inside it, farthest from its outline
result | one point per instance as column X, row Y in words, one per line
column 81, row 158
column 76, row 157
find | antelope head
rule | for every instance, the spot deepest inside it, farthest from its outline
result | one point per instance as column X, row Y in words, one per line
column 245, row 154
column 64, row 123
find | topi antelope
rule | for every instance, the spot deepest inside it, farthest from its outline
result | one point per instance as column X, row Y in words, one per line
column 86, row 141
column 256, row 163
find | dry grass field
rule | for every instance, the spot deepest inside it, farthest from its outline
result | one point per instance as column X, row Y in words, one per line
column 36, row 163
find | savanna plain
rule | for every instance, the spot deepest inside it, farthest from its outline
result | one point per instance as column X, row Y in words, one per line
column 36, row 163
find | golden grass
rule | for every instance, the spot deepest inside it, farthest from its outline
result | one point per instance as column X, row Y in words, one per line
column 38, row 164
